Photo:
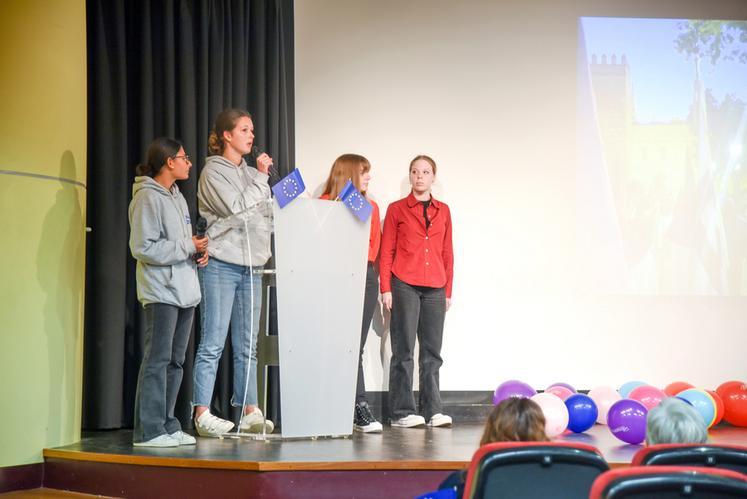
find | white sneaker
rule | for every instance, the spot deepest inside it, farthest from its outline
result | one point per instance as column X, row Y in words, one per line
column 160, row 441
column 411, row 421
column 439, row 420
column 208, row 425
column 183, row 438
column 255, row 422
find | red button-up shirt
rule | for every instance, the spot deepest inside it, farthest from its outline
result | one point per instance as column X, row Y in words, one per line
column 415, row 255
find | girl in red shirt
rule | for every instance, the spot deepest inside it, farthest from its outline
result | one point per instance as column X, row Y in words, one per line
column 358, row 170
column 417, row 267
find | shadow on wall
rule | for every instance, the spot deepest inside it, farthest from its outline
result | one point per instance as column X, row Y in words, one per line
column 59, row 264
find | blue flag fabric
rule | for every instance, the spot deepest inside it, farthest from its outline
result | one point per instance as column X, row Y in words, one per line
column 353, row 199
column 289, row 188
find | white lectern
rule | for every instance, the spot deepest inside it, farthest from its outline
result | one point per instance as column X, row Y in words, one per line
column 320, row 255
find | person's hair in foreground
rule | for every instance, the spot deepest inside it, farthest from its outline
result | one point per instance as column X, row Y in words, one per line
column 674, row 421
column 515, row 420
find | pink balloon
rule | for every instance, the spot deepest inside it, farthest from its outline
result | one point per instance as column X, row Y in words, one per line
column 648, row 395
column 604, row 397
column 555, row 411
column 560, row 391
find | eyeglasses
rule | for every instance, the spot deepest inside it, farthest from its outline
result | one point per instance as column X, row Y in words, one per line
column 185, row 157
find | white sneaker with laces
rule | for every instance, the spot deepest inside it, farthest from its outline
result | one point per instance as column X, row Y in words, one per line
column 160, row 441
column 255, row 422
column 183, row 438
column 439, row 420
column 208, row 425
column 410, row 421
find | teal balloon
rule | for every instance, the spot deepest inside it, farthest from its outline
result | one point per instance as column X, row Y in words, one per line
column 702, row 402
column 628, row 387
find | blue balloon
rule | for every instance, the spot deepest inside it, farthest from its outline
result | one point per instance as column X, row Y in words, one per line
column 628, row 387
column 582, row 412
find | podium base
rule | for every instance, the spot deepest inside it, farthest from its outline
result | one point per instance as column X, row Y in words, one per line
column 276, row 437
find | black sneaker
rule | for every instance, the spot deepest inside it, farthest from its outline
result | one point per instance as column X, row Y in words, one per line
column 364, row 421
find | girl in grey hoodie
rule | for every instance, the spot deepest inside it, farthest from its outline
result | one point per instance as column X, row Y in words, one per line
column 162, row 243
column 234, row 199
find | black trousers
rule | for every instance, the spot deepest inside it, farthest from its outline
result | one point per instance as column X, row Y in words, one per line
column 166, row 338
column 369, row 306
column 417, row 311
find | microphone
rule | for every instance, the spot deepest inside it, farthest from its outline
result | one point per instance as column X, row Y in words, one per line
column 200, row 229
column 272, row 172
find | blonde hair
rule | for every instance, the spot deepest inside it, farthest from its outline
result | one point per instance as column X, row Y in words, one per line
column 347, row 166
column 224, row 122
column 515, row 420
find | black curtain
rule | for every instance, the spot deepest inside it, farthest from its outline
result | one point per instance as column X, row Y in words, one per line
column 166, row 68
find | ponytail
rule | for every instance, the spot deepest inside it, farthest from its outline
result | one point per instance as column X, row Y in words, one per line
column 159, row 151
column 224, row 122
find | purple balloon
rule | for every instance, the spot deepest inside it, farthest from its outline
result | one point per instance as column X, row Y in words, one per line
column 626, row 420
column 562, row 384
column 512, row 388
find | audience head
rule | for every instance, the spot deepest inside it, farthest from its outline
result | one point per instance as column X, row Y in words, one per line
column 347, row 166
column 674, row 421
column 515, row 420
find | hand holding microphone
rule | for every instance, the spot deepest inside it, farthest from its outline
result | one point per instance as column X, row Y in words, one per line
column 200, row 242
column 264, row 163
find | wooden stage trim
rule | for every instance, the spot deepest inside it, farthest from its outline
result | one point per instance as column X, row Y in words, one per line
column 176, row 462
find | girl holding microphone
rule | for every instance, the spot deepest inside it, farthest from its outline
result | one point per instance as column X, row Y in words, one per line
column 162, row 243
column 233, row 197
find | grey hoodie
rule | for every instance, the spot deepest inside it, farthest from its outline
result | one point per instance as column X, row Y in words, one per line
column 161, row 242
column 235, row 202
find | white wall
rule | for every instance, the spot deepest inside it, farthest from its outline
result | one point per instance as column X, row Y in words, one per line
column 488, row 89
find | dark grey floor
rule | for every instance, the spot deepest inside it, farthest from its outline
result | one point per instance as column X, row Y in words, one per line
column 437, row 448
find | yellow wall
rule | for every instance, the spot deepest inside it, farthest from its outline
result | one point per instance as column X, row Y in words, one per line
column 42, row 224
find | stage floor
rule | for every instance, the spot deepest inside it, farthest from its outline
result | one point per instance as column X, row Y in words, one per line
column 394, row 449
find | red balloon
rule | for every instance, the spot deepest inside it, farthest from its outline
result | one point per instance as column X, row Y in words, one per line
column 719, row 407
column 735, row 404
column 676, row 387
column 723, row 386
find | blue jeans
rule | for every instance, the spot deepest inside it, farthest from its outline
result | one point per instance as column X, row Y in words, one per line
column 226, row 299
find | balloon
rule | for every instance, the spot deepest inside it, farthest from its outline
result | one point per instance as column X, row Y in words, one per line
column 627, row 421
column 626, row 388
column 676, row 387
column 603, row 397
column 564, row 385
column 559, row 390
column 725, row 386
column 555, row 411
column 719, row 407
column 648, row 395
column 702, row 402
column 582, row 412
column 512, row 388
column 735, row 404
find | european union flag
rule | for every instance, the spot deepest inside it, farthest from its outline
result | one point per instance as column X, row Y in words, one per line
column 289, row 188
column 353, row 199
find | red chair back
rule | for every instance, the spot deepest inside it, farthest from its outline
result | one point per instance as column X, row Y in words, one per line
column 730, row 457
column 663, row 482
column 533, row 469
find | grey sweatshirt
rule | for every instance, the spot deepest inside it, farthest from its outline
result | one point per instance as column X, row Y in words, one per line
column 161, row 242
column 235, row 202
